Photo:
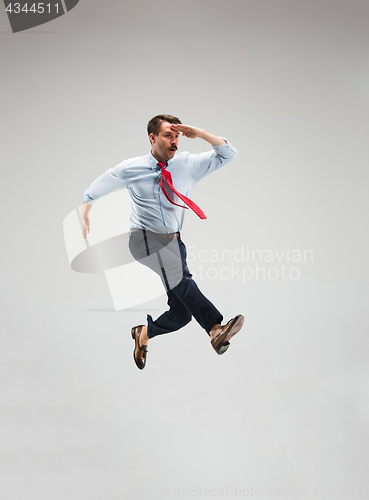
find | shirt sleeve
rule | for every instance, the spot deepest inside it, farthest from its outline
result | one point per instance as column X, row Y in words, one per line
column 203, row 164
column 112, row 179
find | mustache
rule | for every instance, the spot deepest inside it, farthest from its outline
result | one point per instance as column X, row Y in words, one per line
column 173, row 147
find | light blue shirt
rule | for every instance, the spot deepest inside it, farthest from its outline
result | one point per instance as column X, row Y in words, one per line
column 141, row 176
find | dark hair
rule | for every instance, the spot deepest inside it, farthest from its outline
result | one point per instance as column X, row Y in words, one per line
column 153, row 127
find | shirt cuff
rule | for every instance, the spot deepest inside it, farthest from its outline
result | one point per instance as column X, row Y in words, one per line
column 88, row 199
column 223, row 149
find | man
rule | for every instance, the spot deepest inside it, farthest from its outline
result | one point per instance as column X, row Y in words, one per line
column 159, row 184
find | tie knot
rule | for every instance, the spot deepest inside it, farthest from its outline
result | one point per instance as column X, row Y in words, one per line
column 161, row 164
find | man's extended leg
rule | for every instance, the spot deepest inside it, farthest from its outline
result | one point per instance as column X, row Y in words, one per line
column 184, row 297
column 205, row 313
column 186, row 300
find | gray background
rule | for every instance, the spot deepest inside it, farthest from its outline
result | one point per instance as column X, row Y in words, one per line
column 285, row 412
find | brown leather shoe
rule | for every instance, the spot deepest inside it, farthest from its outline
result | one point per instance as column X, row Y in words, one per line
column 139, row 352
column 220, row 343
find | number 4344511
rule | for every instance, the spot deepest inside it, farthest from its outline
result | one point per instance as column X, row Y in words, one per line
column 35, row 8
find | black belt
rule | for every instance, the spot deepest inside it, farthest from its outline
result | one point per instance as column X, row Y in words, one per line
column 165, row 236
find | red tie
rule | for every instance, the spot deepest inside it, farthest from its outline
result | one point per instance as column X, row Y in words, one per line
column 167, row 176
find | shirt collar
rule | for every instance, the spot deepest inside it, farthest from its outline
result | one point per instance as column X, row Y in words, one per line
column 153, row 162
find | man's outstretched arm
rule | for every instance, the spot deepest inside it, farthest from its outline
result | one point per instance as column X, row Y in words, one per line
column 193, row 132
column 109, row 181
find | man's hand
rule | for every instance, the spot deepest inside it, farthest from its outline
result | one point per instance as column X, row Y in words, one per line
column 86, row 223
column 187, row 130
column 193, row 132
column 86, row 226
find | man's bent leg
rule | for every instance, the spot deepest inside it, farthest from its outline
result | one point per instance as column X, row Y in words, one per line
column 184, row 297
column 204, row 311
column 189, row 294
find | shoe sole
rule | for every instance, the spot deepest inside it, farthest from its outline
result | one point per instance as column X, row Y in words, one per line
column 233, row 328
column 222, row 348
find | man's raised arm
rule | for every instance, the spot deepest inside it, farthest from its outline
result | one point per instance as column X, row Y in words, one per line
column 204, row 164
column 193, row 132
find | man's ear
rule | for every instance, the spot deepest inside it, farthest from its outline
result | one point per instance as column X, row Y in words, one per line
column 152, row 138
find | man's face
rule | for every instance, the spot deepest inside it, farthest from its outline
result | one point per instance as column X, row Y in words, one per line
column 165, row 144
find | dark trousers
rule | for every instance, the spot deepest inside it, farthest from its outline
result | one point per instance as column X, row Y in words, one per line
column 166, row 256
